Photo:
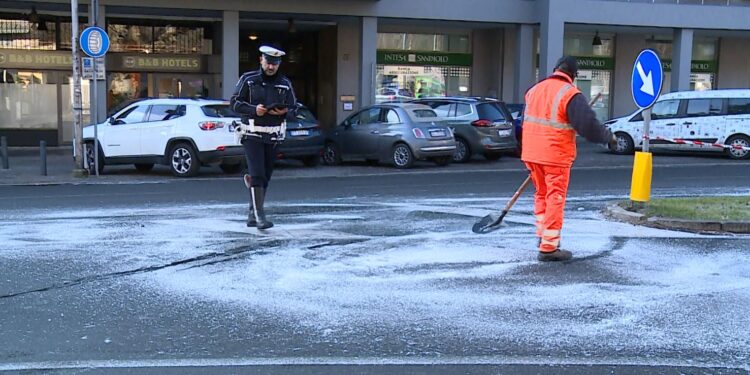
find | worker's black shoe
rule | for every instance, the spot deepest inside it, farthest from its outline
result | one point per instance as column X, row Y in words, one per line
column 555, row 256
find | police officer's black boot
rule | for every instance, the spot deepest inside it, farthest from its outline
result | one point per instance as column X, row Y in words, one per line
column 251, row 222
column 260, row 215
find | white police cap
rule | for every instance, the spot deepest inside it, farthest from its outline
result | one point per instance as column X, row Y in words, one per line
column 273, row 55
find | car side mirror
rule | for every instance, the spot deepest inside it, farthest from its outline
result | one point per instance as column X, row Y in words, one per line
column 111, row 120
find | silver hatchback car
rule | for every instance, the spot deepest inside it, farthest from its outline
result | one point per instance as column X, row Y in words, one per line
column 399, row 133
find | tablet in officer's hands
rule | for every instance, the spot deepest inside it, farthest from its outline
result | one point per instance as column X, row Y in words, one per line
column 277, row 106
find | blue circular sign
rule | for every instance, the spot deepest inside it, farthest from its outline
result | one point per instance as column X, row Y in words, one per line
column 647, row 79
column 94, row 41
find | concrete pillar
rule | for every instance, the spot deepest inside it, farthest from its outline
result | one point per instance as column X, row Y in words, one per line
column 552, row 32
column 487, row 65
column 348, row 66
column 682, row 54
column 627, row 48
column 734, row 71
column 230, row 52
column 368, row 55
column 524, row 62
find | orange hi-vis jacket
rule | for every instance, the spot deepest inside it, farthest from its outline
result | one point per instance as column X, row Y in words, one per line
column 548, row 136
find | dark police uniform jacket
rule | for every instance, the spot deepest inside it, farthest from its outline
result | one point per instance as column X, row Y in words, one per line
column 256, row 88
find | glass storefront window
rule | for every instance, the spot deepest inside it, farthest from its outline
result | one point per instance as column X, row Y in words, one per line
column 124, row 88
column 581, row 45
column 424, row 42
column 22, row 93
column 593, row 82
column 21, row 34
column 129, row 37
column 396, row 83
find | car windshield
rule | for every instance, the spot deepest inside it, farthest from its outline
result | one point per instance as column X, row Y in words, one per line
column 305, row 114
column 219, row 110
column 423, row 115
column 490, row 111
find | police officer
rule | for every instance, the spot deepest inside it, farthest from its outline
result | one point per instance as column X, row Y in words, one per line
column 265, row 99
column 555, row 111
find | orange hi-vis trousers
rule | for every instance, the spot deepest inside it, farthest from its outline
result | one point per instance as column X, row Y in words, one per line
column 551, row 184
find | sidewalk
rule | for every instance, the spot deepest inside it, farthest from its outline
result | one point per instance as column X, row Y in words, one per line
column 25, row 169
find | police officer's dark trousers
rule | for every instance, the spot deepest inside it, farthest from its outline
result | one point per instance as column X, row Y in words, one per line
column 260, row 158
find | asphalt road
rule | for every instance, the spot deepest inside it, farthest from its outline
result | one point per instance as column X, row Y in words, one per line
column 371, row 271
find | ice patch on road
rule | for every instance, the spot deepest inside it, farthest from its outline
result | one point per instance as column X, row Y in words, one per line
column 340, row 268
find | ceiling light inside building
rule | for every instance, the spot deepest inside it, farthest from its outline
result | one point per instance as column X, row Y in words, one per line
column 33, row 16
column 597, row 40
column 252, row 37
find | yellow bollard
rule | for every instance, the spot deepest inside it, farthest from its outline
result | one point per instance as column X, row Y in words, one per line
column 640, row 187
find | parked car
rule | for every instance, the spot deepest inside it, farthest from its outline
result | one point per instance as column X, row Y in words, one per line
column 715, row 116
column 399, row 133
column 181, row 133
column 304, row 140
column 481, row 125
column 516, row 111
column 388, row 94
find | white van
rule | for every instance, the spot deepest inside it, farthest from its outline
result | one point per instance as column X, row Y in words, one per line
column 716, row 116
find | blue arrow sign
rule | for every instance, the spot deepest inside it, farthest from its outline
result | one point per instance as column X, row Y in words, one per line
column 647, row 79
column 94, row 41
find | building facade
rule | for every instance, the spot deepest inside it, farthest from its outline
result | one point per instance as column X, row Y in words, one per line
column 345, row 54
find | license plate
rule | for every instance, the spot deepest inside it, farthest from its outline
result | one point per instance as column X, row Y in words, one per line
column 299, row 132
column 437, row 133
column 504, row 133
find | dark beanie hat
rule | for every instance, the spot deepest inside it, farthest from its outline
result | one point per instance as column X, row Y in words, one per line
column 569, row 65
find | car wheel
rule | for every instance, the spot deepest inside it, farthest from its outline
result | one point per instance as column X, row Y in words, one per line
column 311, row 161
column 331, row 154
column 442, row 160
column 144, row 167
column 463, row 152
column 738, row 140
column 90, row 155
column 183, row 160
column 492, row 156
column 625, row 145
column 230, row 168
column 402, row 156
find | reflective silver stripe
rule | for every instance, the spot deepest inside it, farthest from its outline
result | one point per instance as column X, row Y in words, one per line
column 554, row 124
column 555, row 108
column 558, row 98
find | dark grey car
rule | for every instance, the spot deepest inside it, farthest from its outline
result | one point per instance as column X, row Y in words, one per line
column 399, row 133
column 482, row 126
column 304, row 140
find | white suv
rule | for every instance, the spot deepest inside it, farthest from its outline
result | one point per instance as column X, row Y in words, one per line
column 181, row 133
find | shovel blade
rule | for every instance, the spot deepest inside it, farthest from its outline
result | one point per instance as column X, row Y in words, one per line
column 487, row 224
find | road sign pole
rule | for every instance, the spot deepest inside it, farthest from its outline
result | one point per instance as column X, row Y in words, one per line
column 95, row 102
column 646, row 83
column 79, row 170
column 646, row 129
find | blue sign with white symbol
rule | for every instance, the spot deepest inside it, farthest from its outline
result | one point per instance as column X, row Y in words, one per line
column 647, row 79
column 94, row 41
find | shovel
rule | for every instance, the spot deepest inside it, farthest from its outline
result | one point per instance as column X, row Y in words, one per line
column 492, row 221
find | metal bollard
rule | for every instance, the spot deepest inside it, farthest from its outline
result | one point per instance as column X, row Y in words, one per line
column 43, row 156
column 4, row 152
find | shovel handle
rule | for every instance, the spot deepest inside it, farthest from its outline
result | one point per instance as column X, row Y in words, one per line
column 517, row 194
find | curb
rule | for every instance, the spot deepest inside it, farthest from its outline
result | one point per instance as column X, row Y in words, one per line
column 614, row 211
